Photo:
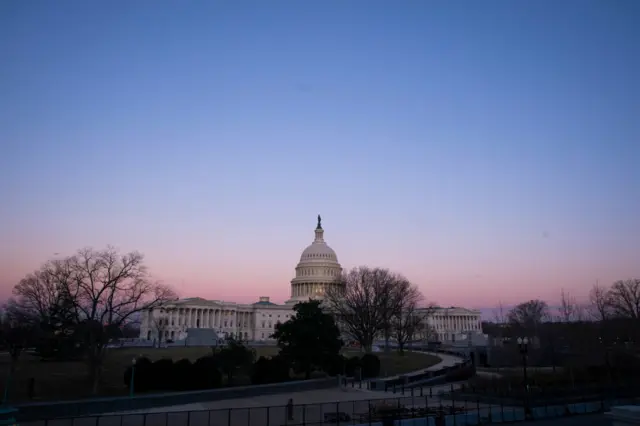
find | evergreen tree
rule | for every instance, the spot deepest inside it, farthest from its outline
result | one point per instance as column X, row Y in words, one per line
column 310, row 337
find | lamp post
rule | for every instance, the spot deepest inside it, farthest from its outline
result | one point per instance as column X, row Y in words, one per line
column 133, row 373
column 523, row 345
column 7, row 384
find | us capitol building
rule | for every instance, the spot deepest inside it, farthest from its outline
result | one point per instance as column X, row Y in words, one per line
column 317, row 271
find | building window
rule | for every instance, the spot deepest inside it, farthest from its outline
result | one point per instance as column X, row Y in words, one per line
column 262, row 324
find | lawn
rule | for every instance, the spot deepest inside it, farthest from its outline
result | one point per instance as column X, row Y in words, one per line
column 393, row 364
column 68, row 380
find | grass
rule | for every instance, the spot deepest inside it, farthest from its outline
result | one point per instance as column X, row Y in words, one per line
column 68, row 380
column 393, row 363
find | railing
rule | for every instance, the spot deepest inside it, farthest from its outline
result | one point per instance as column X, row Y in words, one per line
column 425, row 410
column 89, row 407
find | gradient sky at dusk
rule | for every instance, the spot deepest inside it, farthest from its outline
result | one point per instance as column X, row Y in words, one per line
column 489, row 150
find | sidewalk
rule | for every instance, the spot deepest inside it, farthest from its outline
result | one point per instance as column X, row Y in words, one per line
column 446, row 360
column 324, row 396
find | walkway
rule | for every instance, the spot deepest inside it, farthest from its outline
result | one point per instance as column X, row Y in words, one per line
column 446, row 360
column 321, row 397
column 268, row 410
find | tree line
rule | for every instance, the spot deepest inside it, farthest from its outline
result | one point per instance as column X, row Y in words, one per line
column 74, row 306
column 621, row 300
column 608, row 319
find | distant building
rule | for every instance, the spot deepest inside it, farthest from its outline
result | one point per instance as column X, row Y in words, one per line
column 316, row 272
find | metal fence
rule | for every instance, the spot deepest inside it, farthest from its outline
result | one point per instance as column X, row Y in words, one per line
column 420, row 409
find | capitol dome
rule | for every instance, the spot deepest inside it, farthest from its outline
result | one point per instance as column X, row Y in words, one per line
column 317, row 271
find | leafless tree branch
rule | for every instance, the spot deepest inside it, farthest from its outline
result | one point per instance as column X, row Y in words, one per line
column 600, row 306
column 624, row 298
column 106, row 290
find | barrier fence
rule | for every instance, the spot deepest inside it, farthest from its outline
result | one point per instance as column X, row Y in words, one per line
column 430, row 408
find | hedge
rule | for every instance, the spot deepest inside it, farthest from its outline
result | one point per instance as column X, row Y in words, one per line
column 165, row 375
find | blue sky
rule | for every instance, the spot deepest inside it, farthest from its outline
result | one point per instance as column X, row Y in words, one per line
column 488, row 150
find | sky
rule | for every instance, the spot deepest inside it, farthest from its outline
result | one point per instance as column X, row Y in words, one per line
column 486, row 150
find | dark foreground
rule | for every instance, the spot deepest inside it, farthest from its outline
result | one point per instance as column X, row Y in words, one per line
column 583, row 420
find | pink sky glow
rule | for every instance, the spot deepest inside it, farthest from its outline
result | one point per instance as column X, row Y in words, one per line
column 244, row 268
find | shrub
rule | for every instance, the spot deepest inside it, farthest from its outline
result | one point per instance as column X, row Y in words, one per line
column 183, row 377
column 233, row 357
column 260, row 371
column 160, row 375
column 272, row 370
column 142, row 379
column 205, row 373
column 335, row 365
column 280, row 369
column 352, row 365
column 370, row 365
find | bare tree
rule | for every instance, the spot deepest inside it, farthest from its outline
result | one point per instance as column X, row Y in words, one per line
column 396, row 295
column 110, row 289
column 408, row 317
column 40, row 294
column 569, row 309
column 600, row 305
column 529, row 315
column 426, row 331
column 624, row 298
column 499, row 316
column 105, row 288
column 365, row 303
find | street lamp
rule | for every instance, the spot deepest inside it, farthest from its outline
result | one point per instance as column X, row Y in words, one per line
column 133, row 373
column 523, row 345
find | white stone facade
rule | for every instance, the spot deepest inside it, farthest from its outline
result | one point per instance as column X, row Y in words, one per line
column 454, row 323
column 256, row 321
column 317, row 270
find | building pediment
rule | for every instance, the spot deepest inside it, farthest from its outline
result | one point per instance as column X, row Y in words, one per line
column 455, row 310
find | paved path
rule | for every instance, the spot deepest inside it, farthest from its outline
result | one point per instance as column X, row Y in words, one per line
column 324, row 396
column 446, row 360
column 260, row 411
